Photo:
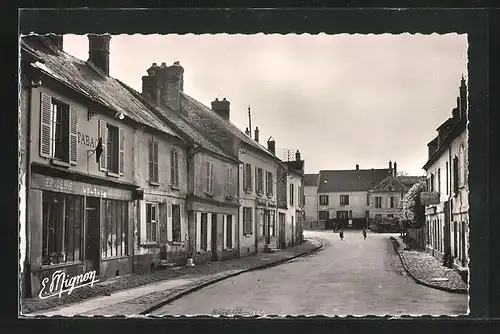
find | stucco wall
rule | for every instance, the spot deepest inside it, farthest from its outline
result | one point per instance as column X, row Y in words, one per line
column 311, row 205
column 357, row 203
column 385, row 209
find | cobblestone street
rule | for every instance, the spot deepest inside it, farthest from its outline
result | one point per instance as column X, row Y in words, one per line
column 350, row 277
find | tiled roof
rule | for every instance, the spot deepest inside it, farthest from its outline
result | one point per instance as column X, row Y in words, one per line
column 409, row 181
column 397, row 183
column 90, row 82
column 295, row 166
column 350, row 180
column 216, row 127
column 178, row 122
column 311, row 180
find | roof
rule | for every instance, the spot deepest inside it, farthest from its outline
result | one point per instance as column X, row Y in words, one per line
column 397, row 183
column 296, row 166
column 456, row 131
column 177, row 121
column 350, row 180
column 217, row 128
column 89, row 81
column 311, row 180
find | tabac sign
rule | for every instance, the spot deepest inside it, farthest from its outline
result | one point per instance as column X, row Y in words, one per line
column 429, row 198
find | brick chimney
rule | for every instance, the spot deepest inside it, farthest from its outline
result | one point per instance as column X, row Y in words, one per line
column 395, row 169
column 221, row 108
column 247, row 132
column 256, row 136
column 390, row 167
column 164, row 84
column 463, row 98
column 297, row 156
column 55, row 40
column 271, row 145
column 150, row 84
column 99, row 51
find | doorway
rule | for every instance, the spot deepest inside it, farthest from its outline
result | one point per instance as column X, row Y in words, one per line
column 282, row 237
column 92, row 240
column 214, row 238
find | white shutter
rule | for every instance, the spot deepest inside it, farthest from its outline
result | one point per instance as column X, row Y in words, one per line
column 121, row 147
column 233, row 233
column 103, row 134
column 73, row 139
column 183, row 230
column 209, row 230
column 198, row 231
column 45, row 125
column 169, row 222
column 224, row 229
column 142, row 221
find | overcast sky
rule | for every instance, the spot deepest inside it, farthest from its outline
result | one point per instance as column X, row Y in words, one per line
column 341, row 100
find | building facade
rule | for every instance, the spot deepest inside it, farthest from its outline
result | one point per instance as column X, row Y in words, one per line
column 343, row 196
column 295, row 213
column 447, row 175
column 311, row 197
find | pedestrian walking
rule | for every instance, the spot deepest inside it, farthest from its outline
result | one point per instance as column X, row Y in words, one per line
column 341, row 234
column 364, row 233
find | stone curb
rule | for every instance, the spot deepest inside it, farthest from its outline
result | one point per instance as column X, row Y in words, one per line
column 218, row 279
column 395, row 243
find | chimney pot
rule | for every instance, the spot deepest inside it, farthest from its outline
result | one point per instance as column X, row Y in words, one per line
column 297, row 155
column 163, row 64
column 176, row 63
column 256, row 134
column 395, row 169
column 154, row 65
column 221, row 108
column 357, row 168
column 271, row 145
column 99, row 51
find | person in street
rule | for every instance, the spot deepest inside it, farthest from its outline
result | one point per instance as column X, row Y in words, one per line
column 364, row 233
column 341, row 234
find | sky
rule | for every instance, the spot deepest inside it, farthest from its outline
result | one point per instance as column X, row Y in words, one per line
column 340, row 100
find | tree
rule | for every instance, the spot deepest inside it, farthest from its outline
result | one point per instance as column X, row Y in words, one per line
column 410, row 208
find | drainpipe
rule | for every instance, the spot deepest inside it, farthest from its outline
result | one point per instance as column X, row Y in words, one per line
column 27, row 259
column 450, row 213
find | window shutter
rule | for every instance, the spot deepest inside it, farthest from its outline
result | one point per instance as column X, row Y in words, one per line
column 224, row 229
column 211, row 178
column 169, row 222
column 121, row 140
column 183, row 237
column 176, row 168
column 103, row 134
column 198, row 231
column 150, row 159
column 209, row 230
column 73, row 139
column 163, row 222
column 142, row 221
column 207, row 173
column 45, row 125
column 244, row 177
column 256, row 179
column 233, row 228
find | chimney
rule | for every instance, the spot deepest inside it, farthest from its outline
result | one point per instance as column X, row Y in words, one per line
column 395, row 169
column 221, row 108
column 150, row 84
column 247, row 132
column 55, row 40
column 172, row 85
column 373, row 176
column 271, row 145
column 256, row 137
column 463, row 98
column 357, row 168
column 297, row 156
column 99, row 51
column 390, row 167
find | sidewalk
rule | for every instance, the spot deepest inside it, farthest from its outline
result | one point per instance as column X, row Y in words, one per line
column 140, row 294
column 427, row 270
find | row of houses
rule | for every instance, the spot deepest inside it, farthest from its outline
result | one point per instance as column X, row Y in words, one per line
column 447, row 208
column 357, row 198
column 120, row 181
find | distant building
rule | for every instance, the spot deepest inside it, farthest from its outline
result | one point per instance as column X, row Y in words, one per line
column 295, row 214
column 311, row 197
column 343, row 195
column 447, row 175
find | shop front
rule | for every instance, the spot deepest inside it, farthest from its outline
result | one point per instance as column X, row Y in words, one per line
column 78, row 227
column 266, row 225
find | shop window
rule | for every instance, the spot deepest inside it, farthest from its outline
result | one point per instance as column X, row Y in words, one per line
column 114, row 229
column 151, row 222
column 247, row 221
column 229, row 231
column 176, row 223
column 204, row 231
column 62, row 228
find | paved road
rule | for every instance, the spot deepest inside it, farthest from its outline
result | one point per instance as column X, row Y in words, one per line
column 350, row 277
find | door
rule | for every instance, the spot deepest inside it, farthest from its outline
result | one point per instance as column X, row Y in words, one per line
column 92, row 241
column 447, row 232
column 343, row 218
column 282, row 230
column 214, row 237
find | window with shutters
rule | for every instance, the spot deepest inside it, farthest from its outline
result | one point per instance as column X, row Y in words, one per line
column 456, row 174
column 204, row 231
column 229, row 182
column 153, row 162
column 58, row 130
column 209, row 177
column 174, row 168
column 344, row 200
column 323, row 199
column 378, row 202
column 112, row 145
column 247, row 178
column 323, row 215
column 269, row 184
column 260, row 181
column 391, row 202
column 292, row 197
column 247, row 221
column 431, row 182
column 62, row 223
column 151, row 222
column 439, row 180
column 229, row 231
column 176, row 223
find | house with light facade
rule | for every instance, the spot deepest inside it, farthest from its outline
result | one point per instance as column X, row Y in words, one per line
column 447, row 175
column 311, row 201
column 296, row 202
column 343, row 195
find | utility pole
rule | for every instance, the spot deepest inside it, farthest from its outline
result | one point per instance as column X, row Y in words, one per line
column 288, row 153
column 249, row 121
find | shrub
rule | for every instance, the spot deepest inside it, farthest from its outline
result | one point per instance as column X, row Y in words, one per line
column 410, row 208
